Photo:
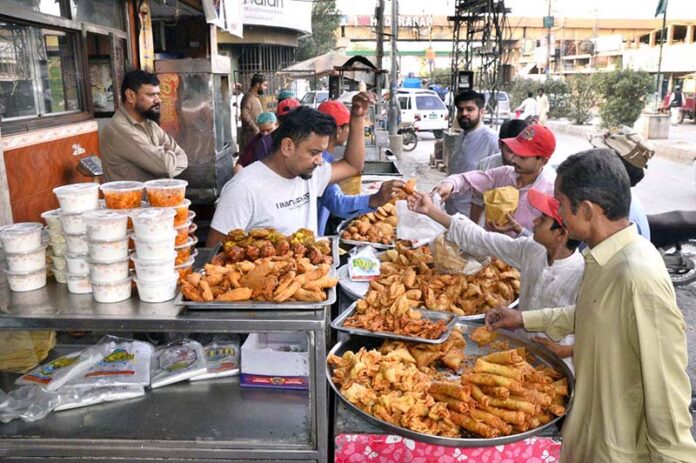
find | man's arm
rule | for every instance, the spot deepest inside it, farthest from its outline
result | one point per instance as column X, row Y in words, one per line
column 354, row 157
column 663, row 358
column 171, row 145
column 344, row 205
column 233, row 210
column 136, row 147
column 557, row 323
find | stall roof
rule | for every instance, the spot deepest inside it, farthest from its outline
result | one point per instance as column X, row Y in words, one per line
column 327, row 63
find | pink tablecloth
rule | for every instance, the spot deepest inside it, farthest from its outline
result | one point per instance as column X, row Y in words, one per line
column 380, row 448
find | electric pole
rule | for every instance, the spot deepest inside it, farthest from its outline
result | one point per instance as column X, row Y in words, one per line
column 394, row 77
column 379, row 15
column 548, row 43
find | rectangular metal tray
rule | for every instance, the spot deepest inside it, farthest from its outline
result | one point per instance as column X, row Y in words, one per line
column 255, row 305
column 451, row 320
column 333, row 240
column 342, row 226
column 541, row 353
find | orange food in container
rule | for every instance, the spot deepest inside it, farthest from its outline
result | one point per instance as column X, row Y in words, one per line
column 182, row 233
column 183, row 252
column 187, row 267
column 123, row 194
column 166, row 192
column 182, row 212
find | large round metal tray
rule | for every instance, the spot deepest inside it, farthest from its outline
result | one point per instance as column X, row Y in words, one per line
column 342, row 226
column 543, row 355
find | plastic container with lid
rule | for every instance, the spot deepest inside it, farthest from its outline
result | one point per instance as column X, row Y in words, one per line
column 158, row 291
column 77, row 244
column 20, row 237
column 108, row 250
column 105, row 225
column 153, row 224
column 108, row 272
column 78, row 197
column 77, row 263
column 59, row 249
column 52, row 220
column 73, row 223
column 78, row 283
column 182, row 233
column 55, row 236
column 154, row 250
column 60, row 275
column 166, row 192
column 183, row 251
column 152, row 270
column 113, row 291
column 182, row 212
column 26, row 281
column 26, row 261
column 59, row 262
column 187, row 267
column 123, row 194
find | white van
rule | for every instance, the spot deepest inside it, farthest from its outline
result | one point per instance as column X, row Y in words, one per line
column 314, row 98
column 424, row 109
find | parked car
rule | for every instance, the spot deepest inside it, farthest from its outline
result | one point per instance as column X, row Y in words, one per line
column 314, row 98
column 424, row 109
column 502, row 112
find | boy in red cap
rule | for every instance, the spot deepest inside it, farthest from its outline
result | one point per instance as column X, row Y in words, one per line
column 529, row 152
column 550, row 265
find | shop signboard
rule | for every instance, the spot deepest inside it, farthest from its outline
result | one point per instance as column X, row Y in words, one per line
column 289, row 14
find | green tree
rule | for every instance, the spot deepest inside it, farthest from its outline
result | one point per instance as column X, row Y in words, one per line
column 325, row 21
column 556, row 91
column 581, row 98
column 624, row 93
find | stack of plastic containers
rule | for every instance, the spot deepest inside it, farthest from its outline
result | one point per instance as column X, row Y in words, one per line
column 74, row 200
column 57, row 245
column 25, row 254
column 108, row 255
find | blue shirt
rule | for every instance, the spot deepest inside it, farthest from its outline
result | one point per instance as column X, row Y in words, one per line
column 637, row 216
column 335, row 202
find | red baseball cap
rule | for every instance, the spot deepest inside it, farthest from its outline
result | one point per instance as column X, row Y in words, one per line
column 546, row 204
column 337, row 110
column 534, row 140
column 286, row 106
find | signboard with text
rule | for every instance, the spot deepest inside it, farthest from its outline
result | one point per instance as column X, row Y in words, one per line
column 289, row 14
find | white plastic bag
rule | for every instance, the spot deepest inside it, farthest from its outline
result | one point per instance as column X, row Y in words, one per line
column 76, row 397
column 417, row 228
column 177, row 361
column 29, row 403
column 56, row 373
column 363, row 264
column 221, row 358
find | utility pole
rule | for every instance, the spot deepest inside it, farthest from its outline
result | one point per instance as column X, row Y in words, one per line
column 548, row 43
column 379, row 78
column 394, row 77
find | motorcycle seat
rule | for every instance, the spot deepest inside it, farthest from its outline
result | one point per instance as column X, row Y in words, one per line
column 672, row 227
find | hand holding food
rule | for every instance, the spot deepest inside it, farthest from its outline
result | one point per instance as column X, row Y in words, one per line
column 387, row 191
column 503, row 318
column 444, row 189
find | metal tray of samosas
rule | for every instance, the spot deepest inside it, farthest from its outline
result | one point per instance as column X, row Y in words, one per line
column 449, row 318
column 343, row 225
column 542, row 355
column 259, row 305
column 333, row 242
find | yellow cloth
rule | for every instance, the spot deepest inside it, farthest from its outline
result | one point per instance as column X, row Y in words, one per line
column 632, row 391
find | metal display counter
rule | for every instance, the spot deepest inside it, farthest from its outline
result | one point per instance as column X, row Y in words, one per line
column 202, row 421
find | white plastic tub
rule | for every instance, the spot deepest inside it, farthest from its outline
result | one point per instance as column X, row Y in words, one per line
column 59, row 275
column 21, row 237
column 77, row 244
column 77, row 263
column 78, row 197
column 153, row 224
column 154, row 250
column 73, row 223
column 152, row 270
column 27, row 261
column 78, row 283
column 59, row 262
column 158, row 291
column 26, row 281
column 108, row 272
column 187, row 267
column 108, row 251
column 52, row 220
column 59, row 249
column 55, row 236
column 112, row 292
column 105, row 225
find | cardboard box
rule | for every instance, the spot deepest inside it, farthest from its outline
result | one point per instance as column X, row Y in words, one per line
column 275, row 360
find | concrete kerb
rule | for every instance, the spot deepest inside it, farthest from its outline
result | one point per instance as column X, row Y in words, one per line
column 685, row 153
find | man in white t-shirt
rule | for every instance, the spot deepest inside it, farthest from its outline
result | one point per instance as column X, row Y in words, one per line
column 281, row 190
column 528, row 108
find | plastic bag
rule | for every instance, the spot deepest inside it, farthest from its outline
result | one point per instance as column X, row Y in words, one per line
column 177, row 361
column 221, row 358
column 29, row 403
column 363, row 264
column 499, row 202
column 417, row 228
column 56, row 373
column 76, row 397
column 450, row 259
column 125, row 362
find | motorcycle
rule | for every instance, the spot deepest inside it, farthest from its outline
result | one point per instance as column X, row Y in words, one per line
column 674, row 235
column 410, row 137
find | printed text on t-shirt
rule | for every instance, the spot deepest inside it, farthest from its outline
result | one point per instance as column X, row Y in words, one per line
column 294, row 203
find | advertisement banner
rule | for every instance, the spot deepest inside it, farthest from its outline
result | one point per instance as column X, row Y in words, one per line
column 290, row 14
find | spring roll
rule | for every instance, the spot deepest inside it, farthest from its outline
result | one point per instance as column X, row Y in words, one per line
column 452, row 404
column 454, row 390
column 509, row 416
column 517, row 404
column 533, row 396
column 545, row 388
column 536, row 377
column 474, row 426
column 506, row 357
column 479, row 396
column 482, row 366
column 561, row 386
column 491, row 420
column 557, row 410
column 487, row 379
column 496, row 391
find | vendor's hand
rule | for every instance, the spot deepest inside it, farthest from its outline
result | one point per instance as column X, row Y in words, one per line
column 420, row 203
column 360, row 104
column 387, row 191
column 444, row 189
column 558, row 349
column 511, row 225
column 503, row 318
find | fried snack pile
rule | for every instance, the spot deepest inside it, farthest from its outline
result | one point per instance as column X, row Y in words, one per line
column 501, row 395
column 379, row 226
column 268, row 242
column 271, row 279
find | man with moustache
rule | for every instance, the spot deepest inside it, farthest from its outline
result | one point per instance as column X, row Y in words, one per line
column 133, row 145
column 475, row 143
column 250, row 109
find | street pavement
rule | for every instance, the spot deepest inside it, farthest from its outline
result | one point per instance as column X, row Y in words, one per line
column 668, row 185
